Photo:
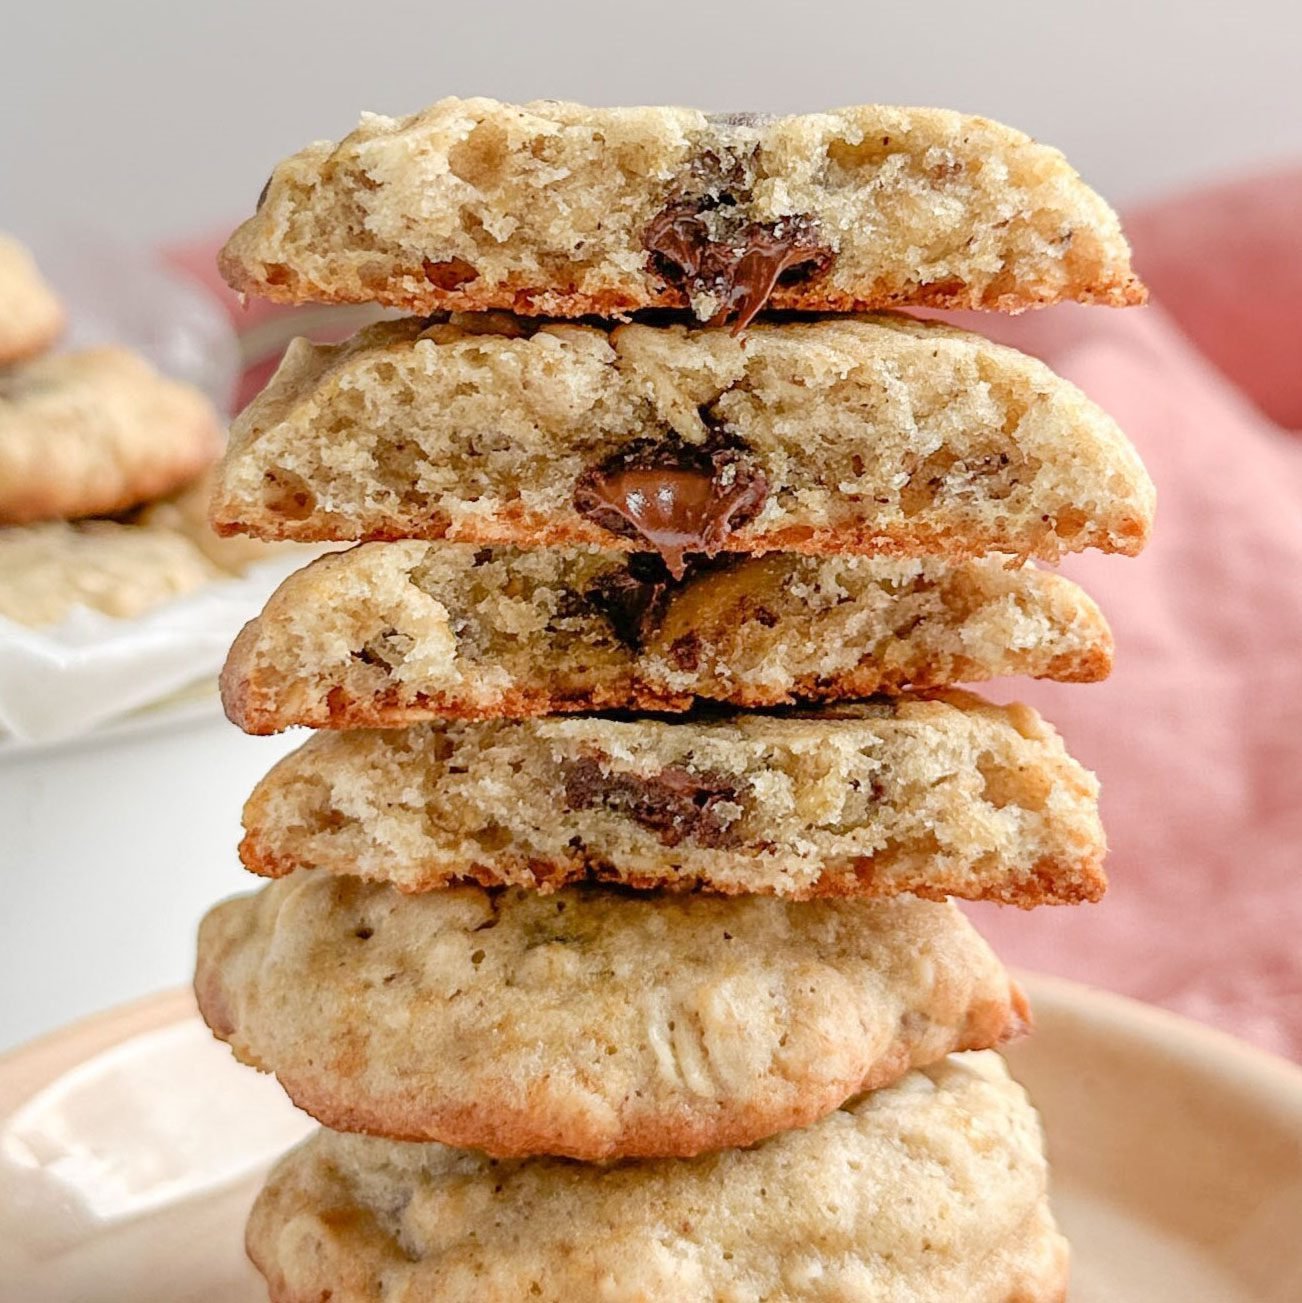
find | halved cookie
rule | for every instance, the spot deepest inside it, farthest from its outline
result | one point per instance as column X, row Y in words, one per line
column 931, row 1191
column 877, row 435
column 950, row 796
column 592, row 1022
column 389, row 634
column 31, row 317
column 560, row 209
column 95, row 433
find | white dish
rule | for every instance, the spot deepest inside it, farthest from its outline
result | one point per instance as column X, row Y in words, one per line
column 131, row 1145
column 197, row 701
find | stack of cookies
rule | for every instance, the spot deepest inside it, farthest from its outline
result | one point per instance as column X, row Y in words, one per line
column 612, row 938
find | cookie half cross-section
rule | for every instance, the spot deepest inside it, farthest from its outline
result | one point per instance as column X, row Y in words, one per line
column 942, row 795
column 880, row 435
column 571, row 211
column 389, row 634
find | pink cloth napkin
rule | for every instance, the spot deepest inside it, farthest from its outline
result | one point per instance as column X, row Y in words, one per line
column 1197, row 736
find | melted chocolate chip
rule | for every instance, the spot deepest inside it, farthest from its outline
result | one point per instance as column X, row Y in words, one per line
column 675, row 804
column 737, row 261
column 773, row 252
column 634, row 598
column 675, row 496
column 262, row 194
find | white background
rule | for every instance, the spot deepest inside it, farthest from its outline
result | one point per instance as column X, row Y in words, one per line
column 160, row 120
column 163, row 117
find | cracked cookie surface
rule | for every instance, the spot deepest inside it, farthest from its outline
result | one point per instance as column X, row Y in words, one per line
column 941, row 796
column 928, row 1191
column 881, row 435
column 388, row 634
column 591, row 1022
column 564, row 210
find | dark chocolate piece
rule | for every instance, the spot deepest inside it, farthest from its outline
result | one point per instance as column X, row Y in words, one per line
column 634, row 598
column 738, row 261
column 675, row 804
column 676, row 496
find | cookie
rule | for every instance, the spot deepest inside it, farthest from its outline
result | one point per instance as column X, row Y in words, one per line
column 593, row 1022
column 49, row 569
column 950, row 796
column 389, row 634
column 884, row 435
column 95, row 433
column 31, row 317
column 565, row 210
column 930, row 1191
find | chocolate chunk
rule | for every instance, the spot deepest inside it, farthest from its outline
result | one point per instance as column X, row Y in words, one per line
column 678, row 240
column 675, row 804
column 740, row 262
column 633, row 598
column 676, row 496
column 262, row 194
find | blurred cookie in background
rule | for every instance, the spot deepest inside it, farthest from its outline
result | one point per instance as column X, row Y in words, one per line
column 48, row 569
column 115, row 598
column 186, row 513
column 31, row 315
column 121, row 567
column 97, row 432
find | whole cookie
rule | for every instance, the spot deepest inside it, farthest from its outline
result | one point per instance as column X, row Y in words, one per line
column 591, row 1023
column 882, row 436
column 388, row 634
column 941, row 795
column 558, row 208
column 930, row 1191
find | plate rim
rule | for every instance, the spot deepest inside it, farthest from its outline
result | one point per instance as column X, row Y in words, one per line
column 1155, row 1023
